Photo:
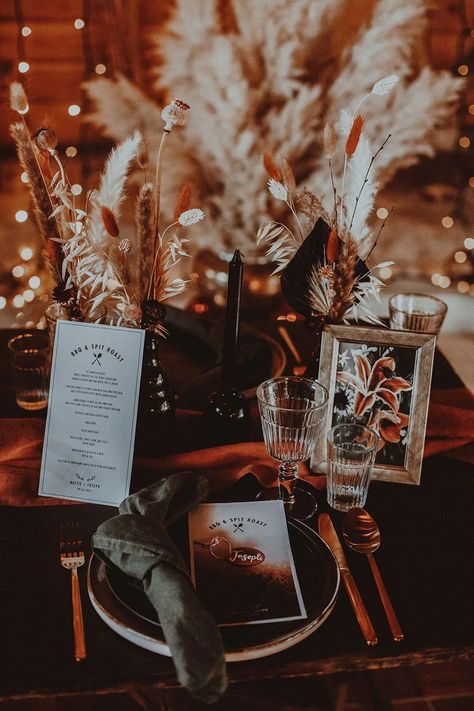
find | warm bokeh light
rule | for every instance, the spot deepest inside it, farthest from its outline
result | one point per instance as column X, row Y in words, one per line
column 71, row 151
column 18, row 301
column 76, row 189
column 464, row 142
column 29, row 295
column 18, row 271
column 382, row 213
column 23, row 67
column 463, row 70
column 21, row 215
column 79, row 24
column 470, row 108
column 26, row 253
column 3, row 302
column 100, row 69
column 447, row 222
column 469, row 242
column 34, row 282
column 471, row 181
column 460, row 257
column 444, row 282
column 435, row 279
column 74, row 110
column 26, row 31
column 463, row 287
column 24, row 177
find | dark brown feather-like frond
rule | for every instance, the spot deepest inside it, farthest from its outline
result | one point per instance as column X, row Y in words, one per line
column 109, row 221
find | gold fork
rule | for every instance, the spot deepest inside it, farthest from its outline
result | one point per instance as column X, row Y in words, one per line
column 72, row 557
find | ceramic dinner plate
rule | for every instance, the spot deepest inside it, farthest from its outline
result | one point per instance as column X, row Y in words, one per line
column 124, row 607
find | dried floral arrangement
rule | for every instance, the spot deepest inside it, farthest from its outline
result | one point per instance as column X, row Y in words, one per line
column 94, row 275
column 265, row 75
column 321, row 258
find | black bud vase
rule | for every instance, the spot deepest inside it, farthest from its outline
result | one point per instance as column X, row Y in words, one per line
column 155, row 431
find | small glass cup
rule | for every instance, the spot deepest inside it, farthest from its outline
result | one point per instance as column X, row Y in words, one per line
column 351, row 451
column 53, row 313
column 291, row 410
column 416, row 312
column 30, row 361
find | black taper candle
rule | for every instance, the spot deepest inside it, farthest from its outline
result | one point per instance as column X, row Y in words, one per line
column 230, row 352
column 227, row 413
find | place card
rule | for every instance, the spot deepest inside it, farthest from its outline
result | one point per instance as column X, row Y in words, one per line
column 241, row 563
column 92, row 412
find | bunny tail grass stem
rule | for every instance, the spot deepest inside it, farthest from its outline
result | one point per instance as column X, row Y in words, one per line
column 364, row 182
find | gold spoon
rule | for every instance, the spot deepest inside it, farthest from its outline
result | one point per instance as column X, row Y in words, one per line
column 362, row 534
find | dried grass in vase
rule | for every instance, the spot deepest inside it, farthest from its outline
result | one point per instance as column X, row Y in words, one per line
column 88, row 257
column 323, row 270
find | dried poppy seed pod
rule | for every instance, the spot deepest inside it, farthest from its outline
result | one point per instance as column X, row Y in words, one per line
column 46, row 140
column 174, row 114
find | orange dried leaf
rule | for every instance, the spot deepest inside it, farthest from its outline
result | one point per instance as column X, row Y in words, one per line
column 354, row 135
column 109, row 221
column 332, row 247
column 271, row 166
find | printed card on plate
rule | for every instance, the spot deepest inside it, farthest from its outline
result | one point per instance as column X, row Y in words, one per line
column 92, row 411
column 241, row 563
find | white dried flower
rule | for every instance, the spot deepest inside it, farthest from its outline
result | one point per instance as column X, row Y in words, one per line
column 125, row 246
column 385, row 85
column 190, row 217
column 18, row 100
column 174, row 114
column 277, row 189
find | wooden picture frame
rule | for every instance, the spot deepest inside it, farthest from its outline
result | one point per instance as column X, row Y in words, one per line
column 380, row 378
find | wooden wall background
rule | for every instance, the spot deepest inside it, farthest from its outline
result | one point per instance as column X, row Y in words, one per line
column 116, row 35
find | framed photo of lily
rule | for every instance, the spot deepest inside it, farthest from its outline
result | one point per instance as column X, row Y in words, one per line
column 381, row 379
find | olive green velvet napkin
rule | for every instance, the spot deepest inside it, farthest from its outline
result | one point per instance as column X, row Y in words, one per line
column 137, row 542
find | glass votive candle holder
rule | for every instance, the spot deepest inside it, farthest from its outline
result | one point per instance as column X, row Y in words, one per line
column 30, row 362
column 351, row 451
column 416, row 312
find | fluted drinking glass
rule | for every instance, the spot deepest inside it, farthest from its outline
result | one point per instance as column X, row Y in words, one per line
column 351, row 455
column 291, row 411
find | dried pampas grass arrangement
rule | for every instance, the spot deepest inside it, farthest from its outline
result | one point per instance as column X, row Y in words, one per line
column 266, row 79
column 88, row 256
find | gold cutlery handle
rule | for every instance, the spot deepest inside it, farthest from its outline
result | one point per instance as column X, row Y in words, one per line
column 78, row 623
column 359, row 608
column 394, row 625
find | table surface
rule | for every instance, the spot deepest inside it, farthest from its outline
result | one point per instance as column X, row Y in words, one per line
column 425, row 559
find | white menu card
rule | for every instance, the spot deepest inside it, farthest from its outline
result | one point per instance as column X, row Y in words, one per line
column 92, row 412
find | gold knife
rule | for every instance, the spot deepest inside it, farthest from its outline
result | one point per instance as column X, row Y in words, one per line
column 329, row 535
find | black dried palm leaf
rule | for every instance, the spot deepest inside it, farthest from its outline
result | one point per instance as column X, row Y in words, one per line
column 295, row 276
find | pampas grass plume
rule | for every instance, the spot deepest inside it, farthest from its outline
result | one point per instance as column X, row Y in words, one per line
column 329, row 139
